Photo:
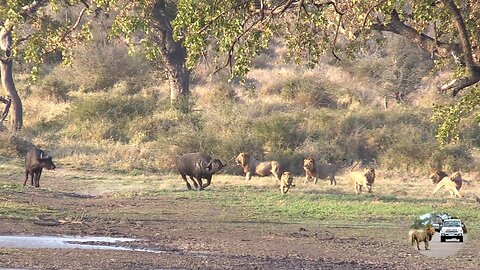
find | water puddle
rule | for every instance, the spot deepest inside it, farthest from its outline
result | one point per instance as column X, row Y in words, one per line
column 70, row 242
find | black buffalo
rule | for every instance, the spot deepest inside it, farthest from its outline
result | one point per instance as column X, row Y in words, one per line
column 198, row 166
column 35, row 161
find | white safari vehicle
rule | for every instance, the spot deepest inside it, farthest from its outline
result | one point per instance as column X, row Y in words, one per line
column 452, row 228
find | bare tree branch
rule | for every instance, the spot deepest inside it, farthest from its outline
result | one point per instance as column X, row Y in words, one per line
column 336, row 36
column 235, row 42
column 214, row 19
column 79, row 18
column 285, row 6
column 368, row 13
column 472, row 75
column 8, row 103
column 333, row 3
column 443, row 50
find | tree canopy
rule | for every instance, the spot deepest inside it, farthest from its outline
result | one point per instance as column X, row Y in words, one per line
column 31, row 31
column 237, row 31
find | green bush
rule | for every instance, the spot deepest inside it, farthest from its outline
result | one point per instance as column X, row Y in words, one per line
column 308, row 92
column 12, row 145
column 54, row 88
column 279, row 132
column 105, row 117
column 99, row 66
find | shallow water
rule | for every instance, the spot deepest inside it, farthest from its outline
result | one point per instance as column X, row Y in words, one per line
column 80, row 242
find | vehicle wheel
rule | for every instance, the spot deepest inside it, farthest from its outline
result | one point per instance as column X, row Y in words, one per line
column 442, row 239
column 461, row 239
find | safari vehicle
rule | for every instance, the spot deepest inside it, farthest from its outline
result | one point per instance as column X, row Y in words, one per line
column 451, row 228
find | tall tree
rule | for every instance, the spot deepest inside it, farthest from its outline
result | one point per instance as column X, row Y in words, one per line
column 448, row 29
column 147, row 23
column 29, row 31
column 32, row 29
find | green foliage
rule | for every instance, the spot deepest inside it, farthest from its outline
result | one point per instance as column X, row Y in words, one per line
column 279, row 132
column 449, row 117
column 307, row 92
column 100, row 66
column 54, row 88
column 104, row 117
column 192, row 26
column 311, row 29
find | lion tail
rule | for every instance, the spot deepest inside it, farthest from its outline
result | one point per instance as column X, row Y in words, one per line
column 355, row 165
column 410, row 237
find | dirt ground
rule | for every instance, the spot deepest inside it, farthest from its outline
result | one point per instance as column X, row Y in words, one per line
column 193, row 234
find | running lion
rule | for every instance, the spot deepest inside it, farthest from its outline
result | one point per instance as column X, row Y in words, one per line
column 363, row 179
column 425, row 235
column 452, row 184
column 286, row 182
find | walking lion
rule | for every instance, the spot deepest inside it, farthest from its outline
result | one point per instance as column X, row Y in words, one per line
column 425, row 235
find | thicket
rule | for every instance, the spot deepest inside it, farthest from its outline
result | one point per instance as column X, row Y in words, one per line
column 115, row 116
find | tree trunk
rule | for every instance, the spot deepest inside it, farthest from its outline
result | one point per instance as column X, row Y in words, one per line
column 6, row 72
column 172, row 52
column 178, row 74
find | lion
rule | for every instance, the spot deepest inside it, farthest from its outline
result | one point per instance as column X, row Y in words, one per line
column 363, row 179
column 437, row 176
column 320, row 171
column 457, row 178
column 424, row 235
column 310, row 168
column 252, row 166
column 286, row 182
column 452, row 184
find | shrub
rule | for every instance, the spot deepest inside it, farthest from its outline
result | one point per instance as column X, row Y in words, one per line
column 279, row 132
column 53, row 88
column 105, row 117
column 98, row 67
column 308, row 92
column 12, row 145
column 452, row 158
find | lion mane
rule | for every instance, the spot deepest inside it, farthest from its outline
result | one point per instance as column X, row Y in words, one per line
column 437, row 176
column 363, row 179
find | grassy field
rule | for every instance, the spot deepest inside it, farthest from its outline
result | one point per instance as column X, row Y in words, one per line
column 396, row 200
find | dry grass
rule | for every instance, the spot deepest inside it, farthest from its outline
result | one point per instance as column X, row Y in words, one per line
column 390, row 185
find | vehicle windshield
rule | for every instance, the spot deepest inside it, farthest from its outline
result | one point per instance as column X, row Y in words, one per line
column 451, row 224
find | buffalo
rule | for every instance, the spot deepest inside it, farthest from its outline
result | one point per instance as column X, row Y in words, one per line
column 198, row 166
column 35, row 161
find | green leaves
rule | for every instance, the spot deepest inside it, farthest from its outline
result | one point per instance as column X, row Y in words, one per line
column 449, row 117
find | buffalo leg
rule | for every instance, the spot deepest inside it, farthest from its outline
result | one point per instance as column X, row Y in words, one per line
column 200, row 185
column 37, row 179
column 333, row 182
column 194, row 182
column 248, row 176
column 26, row 178
column 209, row 181
column 184, row 177
column 32, row 179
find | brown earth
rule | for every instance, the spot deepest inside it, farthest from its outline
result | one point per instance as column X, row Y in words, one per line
column 194, row 234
